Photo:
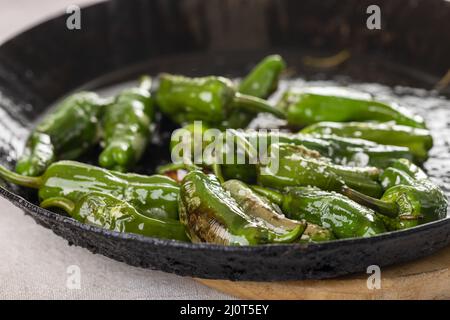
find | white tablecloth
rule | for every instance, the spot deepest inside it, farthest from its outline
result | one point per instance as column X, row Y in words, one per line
column 35, row 263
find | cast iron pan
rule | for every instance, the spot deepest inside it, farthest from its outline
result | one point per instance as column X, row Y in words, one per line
column 120, row 40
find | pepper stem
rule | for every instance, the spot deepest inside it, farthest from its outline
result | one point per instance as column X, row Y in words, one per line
column 254, row 104
column 272, row 195
column 388, row 209
column 58, row 202
column 24, row 181
column 217, row 170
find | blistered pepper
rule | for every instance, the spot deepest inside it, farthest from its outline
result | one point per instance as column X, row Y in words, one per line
column 212, row 215
column 154, row 196
column 65, row 133
column 418, row 140
column 312, row 105
column 346, row 218
column 410, row 197
column 294, row 165
column 209, row 99
column 261, row 82
column 345, row 151
column 108, row 212
column 126, row 127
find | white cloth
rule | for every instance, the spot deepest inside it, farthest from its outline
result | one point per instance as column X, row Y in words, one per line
column 36, row 264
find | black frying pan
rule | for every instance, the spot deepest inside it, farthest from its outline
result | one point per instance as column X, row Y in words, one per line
column 119, row 40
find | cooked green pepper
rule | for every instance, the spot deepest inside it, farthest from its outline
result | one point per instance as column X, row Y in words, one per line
column 294, row 165
column 314, row 105
column 346, row 218
column 65, row 133
column 212, row 215
column 209, row 99
column 418, row 140
column 410, row 197
column 261, row 82
column 345, row 151
column 126, row 127
column 154, row 196
column 108, row 212
column 260, row 208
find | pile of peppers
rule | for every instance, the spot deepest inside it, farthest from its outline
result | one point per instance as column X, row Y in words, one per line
column 348, row 167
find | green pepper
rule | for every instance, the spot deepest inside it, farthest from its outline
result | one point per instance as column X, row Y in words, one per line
column 154, row 196
column 418, row 140
column 410, row 198
column 260, row 208
column 345, row 151
column 294, row 165
column 346, row 218
column 212, row 215
column 65, row 133
column 209, row 99
column 108, row 212
column 262, row 80
column 126, row 128
column 314, row 105
column 312, row 233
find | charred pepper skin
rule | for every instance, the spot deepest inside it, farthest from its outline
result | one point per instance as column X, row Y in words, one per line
column 417, row 140
column 314, row 105
column 410, row 198
column 154, row 196
column 261, row 82
column 212, row 215
column 126, row 128
column 108, row 212
column 66, row 133
column 209, row 99
column 294, row 165
column 260, row 208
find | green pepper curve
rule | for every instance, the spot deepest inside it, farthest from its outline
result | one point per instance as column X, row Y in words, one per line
column 314, row 105
column 154, row 196
column 417, row 140
column 261, row 82
column 209, row 99
column 108, row 212
column 410, row 198
column 126, row 127
column 212, row 215
column 346, row 218
column 65, row 133
column 294, row 165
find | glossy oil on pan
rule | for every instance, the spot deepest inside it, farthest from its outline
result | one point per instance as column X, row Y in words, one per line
column 120, row 40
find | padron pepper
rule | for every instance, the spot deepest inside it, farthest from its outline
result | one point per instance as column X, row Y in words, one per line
column 209, row 99
column 346, row 218
column 126, row 127
column 66, row 133
column 259, row 208
column 417, row 140
column 261, row 82
column 312, row 105
column 345, row 151
column 212, row 215
column 154, row 196
column 410, row 198
column 294, row 165
column 108, row 212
